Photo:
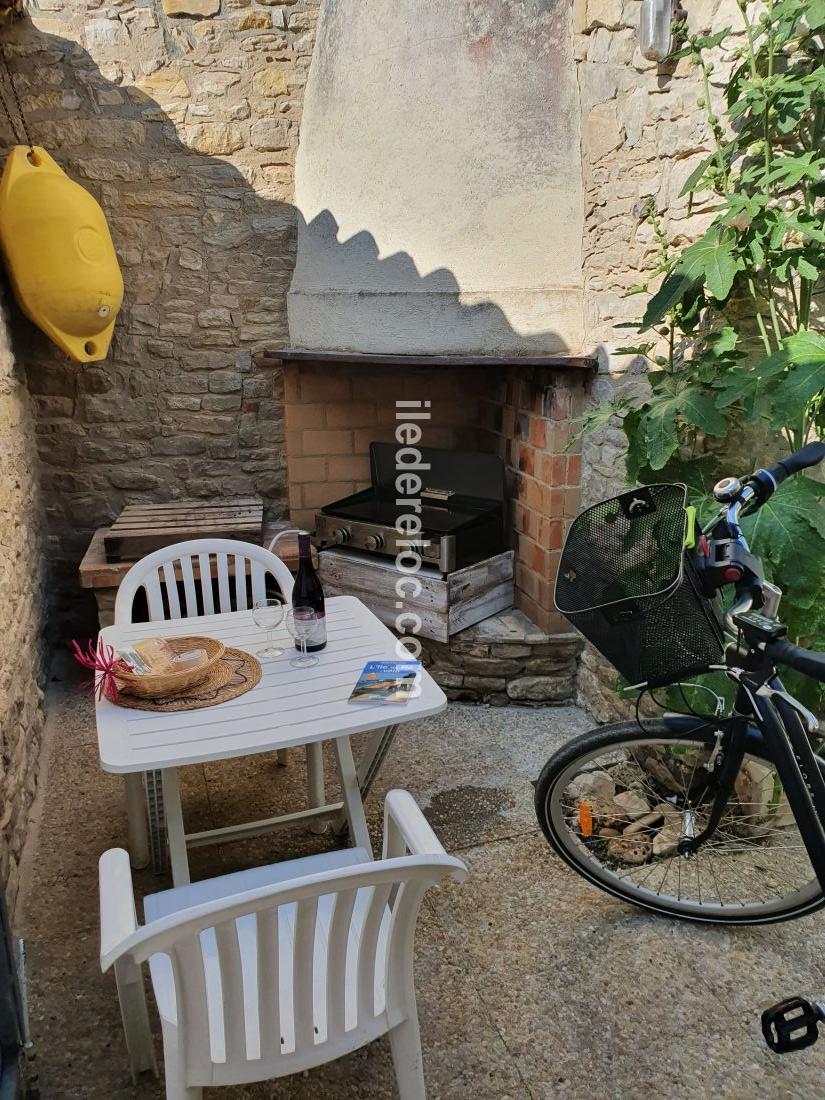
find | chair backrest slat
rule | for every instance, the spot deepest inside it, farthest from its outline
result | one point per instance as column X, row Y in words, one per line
column 171, row 583
column 205, row 571
column 303, row 970
column 337, row 962
column 189, row 591
column 376, row 912
column 232, row 994
column 258, row 582
column 240, row 582
column 154, row 599
column 186, row 959
column 160, row 572
column 224, row 597
column 269, row 1002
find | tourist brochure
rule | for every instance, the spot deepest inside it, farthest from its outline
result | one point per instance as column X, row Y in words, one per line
column 387, row 682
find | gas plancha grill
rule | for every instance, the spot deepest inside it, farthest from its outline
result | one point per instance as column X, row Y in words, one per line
column 461, row 504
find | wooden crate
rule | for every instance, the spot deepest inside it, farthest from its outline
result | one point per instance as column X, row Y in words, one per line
column 142, row 528
column 445, row 605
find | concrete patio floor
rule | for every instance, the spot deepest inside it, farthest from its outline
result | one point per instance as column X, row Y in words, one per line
column 531, row 983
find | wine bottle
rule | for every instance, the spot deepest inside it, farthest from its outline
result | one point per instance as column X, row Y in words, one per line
column 308, row 592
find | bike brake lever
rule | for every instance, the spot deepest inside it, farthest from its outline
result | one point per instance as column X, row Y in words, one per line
column 782, row 1021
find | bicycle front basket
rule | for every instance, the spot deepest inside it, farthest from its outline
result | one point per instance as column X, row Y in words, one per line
column 629, row 585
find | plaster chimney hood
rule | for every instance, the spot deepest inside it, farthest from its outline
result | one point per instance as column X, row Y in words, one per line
column 438, row 182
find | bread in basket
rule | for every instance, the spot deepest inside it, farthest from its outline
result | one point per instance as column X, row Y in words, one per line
column 154, row 684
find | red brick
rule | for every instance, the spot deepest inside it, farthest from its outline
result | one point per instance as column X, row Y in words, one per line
column 554, row 470
column 526, row 460
column 530, row 493
column 325, row 387
column 294, row 442
column 574, row 470
column 538, row 430
column 350, row 468
column 554, row 503
column 306, row 416
column 555, row 534
column 326, row 442
column 538, row 560
column 296, row 496
column 572, row 502
column 378, row 434
column 316, row 496
column 350, row 414
column 307, row 469
column 560, row 408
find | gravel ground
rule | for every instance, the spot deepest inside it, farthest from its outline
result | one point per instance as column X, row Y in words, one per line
column 531, row 983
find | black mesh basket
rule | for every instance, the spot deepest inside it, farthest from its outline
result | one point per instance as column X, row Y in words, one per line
column 629, row 585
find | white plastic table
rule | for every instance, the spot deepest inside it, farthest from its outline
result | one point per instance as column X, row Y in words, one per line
column 289, row 706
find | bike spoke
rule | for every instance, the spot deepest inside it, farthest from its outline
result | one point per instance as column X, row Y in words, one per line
column 747, row 863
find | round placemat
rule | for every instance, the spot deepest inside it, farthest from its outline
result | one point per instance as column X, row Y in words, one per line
column 236, row 673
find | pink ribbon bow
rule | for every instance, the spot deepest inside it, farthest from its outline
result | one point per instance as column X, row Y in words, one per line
column 103, row 661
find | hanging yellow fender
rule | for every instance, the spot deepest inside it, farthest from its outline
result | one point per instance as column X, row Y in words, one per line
column 59, row 254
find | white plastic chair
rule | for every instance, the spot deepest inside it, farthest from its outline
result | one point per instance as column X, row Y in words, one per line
column 241, row 570
column 272, row 971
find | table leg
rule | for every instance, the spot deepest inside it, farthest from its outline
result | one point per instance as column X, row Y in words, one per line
column 369, row 765
column 174, row 828
column 315, row 782
column 353, row 806
column 136, row 814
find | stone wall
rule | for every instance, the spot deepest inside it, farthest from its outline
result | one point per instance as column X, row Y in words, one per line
column 643, row 133
column 185, row 130
column 21, row 598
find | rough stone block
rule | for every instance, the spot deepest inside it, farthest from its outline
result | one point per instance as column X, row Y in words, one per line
column 541, row 689
column 270, row 134
column 203, row 8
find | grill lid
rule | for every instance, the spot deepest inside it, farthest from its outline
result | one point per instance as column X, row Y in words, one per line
column 446, row 475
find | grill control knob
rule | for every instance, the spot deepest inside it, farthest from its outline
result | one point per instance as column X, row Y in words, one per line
column 340, row 534
column 374, row 542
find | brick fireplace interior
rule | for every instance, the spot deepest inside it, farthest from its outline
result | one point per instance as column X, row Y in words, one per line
column 524, row 412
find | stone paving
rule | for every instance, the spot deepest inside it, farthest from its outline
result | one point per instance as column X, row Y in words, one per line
column 531, row 983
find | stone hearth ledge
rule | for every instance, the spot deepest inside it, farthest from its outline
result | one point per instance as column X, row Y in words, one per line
column 503, row 660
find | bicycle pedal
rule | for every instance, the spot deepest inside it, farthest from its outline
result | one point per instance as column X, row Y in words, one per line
column 791, row 1025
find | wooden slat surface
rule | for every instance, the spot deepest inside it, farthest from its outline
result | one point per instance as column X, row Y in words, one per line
column 445, row 605
column 142, row 528
column 96, row 572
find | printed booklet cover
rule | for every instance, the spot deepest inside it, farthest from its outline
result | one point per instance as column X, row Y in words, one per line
column 387, row 682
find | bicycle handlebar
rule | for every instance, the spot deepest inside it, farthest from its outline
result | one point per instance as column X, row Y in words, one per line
column 806, row 661
column 766, row 482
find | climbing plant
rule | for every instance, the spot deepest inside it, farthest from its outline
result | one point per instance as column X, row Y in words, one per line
column 733, row 336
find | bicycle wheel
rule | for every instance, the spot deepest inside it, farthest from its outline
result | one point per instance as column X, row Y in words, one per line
column 615, row 802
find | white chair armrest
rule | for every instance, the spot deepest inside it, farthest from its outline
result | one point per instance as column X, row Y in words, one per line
column 407, row 830
column 118, row 916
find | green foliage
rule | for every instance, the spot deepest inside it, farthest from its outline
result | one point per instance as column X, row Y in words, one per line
column 743, row 345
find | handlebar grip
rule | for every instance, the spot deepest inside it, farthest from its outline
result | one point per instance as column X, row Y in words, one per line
column 806, row 661
column 766, row 482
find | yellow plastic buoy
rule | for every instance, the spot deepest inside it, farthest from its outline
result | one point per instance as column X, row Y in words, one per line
column 59, row 254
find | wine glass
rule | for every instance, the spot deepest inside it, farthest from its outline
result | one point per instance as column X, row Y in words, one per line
column 267, row 614
column 300, row 622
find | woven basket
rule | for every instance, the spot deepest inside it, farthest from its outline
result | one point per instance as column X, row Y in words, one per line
column 152, row 685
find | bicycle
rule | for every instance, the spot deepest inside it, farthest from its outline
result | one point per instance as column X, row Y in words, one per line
column 708, row 818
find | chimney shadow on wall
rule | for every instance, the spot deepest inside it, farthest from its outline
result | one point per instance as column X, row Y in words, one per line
column 179, row 408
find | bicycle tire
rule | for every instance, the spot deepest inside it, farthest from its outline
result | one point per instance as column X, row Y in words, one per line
column 549, row 793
